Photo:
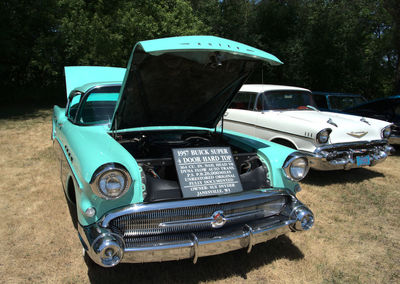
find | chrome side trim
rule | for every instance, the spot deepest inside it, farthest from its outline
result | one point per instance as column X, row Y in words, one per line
column 196, row 202
column 269, row 129
column 64, row 160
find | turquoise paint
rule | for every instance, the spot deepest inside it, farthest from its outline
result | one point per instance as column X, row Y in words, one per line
column 205, row 43
column 273, row 154
column 77, row 76
column 103, row 97
column 95, row 147
column 197, row 43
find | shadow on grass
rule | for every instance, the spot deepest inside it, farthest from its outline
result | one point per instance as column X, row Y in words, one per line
column 397, row 150
column 321, row 178
column 23, row 112
column 237, row 263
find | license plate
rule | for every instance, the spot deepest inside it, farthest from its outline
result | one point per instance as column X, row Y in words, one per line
column 362, row 161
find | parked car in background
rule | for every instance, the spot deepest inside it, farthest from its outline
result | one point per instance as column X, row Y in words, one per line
column 336, row 101
column 288, row 116
column 151, row 176
column 387, row 109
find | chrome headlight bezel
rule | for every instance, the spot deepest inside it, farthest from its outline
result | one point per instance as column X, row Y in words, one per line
column 97, row 181
column 292, row 164
column 323, row 136
column 386, row 132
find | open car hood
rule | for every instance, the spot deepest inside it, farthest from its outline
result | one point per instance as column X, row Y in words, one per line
column 184, row 81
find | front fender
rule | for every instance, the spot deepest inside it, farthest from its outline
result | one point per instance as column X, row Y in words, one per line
column 273, row 154
column 85, row 158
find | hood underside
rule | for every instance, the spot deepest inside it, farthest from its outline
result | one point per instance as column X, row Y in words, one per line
column 183, row 81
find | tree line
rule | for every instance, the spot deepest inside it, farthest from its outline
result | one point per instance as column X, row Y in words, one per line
column 326, row 45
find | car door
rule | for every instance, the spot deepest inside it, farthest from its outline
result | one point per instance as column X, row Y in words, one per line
column 62, row 125
column 265, row 120
column 241, row 115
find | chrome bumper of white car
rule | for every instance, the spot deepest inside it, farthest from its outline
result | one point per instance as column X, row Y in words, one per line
column 349, row 155
column 142, row 241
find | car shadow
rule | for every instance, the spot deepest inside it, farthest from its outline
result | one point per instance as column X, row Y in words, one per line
column 397, row 150
column 237, row 263
column 321, row 178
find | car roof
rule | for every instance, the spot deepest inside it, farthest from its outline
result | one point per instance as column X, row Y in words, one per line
column 385, row 99
column 89, row 86
column 258, row 88
column 336, row 94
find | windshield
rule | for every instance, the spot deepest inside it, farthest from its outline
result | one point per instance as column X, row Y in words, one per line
column 99, row 105
column 287, row 99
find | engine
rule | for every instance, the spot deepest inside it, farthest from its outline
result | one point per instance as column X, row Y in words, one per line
column 153, row 153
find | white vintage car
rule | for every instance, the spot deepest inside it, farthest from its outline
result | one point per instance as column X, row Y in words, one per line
column 288, row 116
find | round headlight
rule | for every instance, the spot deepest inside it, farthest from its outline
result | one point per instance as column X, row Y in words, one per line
column 323, row 135
column 111, row 181
column 386, row 132
column 296, row 168
column 112, row 184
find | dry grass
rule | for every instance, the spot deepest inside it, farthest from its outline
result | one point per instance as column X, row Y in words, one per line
column 356, row 238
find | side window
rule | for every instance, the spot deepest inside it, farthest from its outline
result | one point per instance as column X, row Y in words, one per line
column 320, row 101
column 243, row 100
column 73, row 106
column 98, row 106
column 343, row 102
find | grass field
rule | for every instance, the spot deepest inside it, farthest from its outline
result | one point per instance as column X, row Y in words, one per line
column 356, row 237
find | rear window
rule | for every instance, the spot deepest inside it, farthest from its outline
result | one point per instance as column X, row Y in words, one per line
column 244, row 100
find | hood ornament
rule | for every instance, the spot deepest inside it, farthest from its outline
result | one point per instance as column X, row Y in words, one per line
column 330, row 121
column 358, row 134
column 364, row 120
column 218, row 219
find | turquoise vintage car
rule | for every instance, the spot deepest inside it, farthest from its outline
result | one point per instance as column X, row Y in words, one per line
column 148, row 167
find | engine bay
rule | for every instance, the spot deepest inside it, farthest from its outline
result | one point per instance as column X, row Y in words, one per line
column 153, row 153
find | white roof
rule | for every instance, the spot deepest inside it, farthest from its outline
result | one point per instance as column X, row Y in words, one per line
column 258, row 88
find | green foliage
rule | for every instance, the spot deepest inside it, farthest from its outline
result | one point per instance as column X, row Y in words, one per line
column 343, row 46
column 103, row 33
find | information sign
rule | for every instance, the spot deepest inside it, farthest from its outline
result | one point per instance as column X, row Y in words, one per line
column 206, row 171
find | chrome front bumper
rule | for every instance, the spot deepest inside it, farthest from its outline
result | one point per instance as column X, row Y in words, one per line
column 100, row 242
column 343, row 156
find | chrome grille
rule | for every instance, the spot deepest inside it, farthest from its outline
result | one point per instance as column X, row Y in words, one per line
column 138, row 242
column 195, row 218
